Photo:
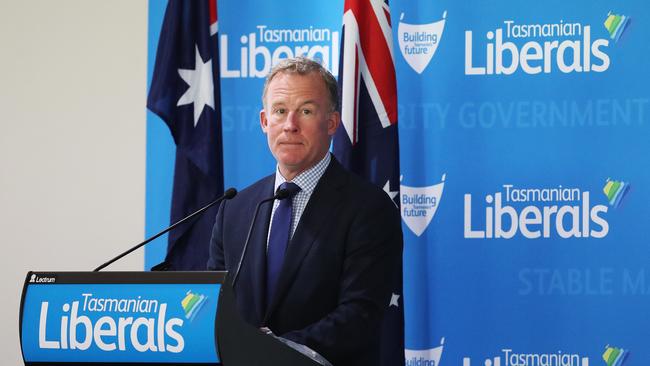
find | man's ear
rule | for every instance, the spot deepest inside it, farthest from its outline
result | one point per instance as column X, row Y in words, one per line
column 333, row 122
column 264, row 122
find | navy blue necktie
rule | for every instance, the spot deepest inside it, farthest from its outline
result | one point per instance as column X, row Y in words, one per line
column 278, row 239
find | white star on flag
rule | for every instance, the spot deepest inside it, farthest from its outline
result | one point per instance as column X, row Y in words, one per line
column 393, row 300
column 201, row 90
column 390, row 193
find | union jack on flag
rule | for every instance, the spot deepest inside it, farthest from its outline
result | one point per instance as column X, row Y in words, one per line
column 368, row 52
column 367, row 141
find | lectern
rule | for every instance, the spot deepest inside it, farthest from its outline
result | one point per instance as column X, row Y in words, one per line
column 133, row 318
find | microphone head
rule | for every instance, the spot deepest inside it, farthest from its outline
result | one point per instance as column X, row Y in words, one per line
column 229, row 193
column 282, row 194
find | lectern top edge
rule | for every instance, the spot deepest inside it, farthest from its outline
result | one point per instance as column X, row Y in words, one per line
column 199, row 277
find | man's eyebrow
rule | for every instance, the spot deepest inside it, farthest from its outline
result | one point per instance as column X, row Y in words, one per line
column 309, row 101
column 302, row 104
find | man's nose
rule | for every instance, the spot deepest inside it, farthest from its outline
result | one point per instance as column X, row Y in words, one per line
column 291, row 122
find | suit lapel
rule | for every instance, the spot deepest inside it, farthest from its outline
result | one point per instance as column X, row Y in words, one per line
column 322, row 204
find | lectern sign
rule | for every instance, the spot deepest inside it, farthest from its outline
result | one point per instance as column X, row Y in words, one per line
column 115, row 320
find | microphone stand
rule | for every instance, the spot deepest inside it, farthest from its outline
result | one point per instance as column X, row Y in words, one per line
column 230, row 193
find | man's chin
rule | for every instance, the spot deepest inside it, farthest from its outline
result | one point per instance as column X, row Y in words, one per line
column 291, row 164
column 291, row 157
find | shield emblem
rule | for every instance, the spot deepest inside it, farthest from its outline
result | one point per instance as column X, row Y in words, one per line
column 431, row 355
column 419, row 42
column 419, row 205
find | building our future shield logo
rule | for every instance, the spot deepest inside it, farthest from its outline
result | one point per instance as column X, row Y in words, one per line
column 419, row 42
column 419, row 205
column 425, row 357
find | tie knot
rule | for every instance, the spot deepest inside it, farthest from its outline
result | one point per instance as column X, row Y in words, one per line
column 291, row 188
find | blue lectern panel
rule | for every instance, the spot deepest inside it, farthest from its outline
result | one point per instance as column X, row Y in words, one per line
column 119, row 322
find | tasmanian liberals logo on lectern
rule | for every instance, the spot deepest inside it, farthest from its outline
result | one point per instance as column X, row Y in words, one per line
column 119, row 323
column 114, row 326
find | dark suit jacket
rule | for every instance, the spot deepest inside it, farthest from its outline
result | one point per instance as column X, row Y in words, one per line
column 335, row 280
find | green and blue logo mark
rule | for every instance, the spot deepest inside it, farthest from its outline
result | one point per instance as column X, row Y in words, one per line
column 615, row 25
column 192, row 303
column 615, row 191
column 614, row 356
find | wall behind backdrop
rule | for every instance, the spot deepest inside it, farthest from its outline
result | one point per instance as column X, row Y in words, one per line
column 524, row 129
column 72, row 154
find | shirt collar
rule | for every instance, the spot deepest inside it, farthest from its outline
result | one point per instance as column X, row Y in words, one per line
column 308, row 179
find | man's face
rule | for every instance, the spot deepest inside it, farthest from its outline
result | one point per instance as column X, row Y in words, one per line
column 298, row 121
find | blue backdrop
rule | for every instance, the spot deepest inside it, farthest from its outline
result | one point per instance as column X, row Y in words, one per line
column 524, row 132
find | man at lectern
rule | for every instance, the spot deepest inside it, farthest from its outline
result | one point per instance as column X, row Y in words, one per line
column 318, row 262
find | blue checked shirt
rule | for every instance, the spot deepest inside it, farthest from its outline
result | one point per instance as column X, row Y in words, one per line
column 307, row 181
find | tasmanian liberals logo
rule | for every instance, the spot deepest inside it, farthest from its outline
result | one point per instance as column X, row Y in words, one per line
column 419, row 42
column 509, row 357
column 419, row 205
column 425, row 357
column 535, row 212
column 534, row 48
column 253, row 53
column 111, row 324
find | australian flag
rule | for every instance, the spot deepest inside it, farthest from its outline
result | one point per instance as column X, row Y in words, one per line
column 185, row 94
column 367, row 141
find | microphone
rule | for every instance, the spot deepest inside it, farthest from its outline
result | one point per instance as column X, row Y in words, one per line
column 279, row 195
column 228, row 194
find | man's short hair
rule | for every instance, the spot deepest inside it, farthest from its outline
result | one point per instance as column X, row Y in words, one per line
column 303, row 66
